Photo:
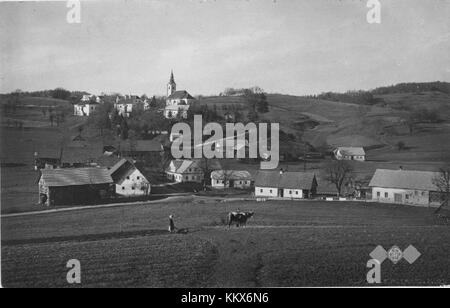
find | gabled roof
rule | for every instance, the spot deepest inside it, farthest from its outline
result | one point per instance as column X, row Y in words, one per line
column 121, row 170
column 289, row 180
column 108, row 161
column 183, row 165
column 48, row 152
column 352, row 151
column 180, row 95
column 75, row 176
column 231, row 175
column 406, row 179
column 81, row 153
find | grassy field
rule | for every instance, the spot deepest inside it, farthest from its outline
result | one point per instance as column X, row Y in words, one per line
column 306, row 243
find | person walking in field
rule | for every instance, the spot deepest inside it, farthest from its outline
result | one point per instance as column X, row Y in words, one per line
column 171, row 224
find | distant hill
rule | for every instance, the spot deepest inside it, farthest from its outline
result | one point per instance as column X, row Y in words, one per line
column 413, row 87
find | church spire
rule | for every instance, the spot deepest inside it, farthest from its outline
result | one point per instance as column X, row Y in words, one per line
column 171, row 86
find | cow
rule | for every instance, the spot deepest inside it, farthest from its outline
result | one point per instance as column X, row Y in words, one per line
column 240, row 218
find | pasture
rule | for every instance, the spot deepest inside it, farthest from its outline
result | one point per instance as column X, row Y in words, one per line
column 286, row 243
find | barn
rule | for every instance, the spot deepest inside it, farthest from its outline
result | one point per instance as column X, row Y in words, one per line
column 74, row 186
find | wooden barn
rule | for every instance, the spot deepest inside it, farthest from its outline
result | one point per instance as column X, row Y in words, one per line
column 74, row 186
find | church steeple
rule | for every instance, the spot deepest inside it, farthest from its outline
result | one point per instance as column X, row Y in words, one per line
column 171, row 86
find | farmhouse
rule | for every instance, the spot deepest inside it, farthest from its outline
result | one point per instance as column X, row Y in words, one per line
column 126, row 104
column 74, row 186
column 288, row 185
column 86, row 106
column 350, row 153
column 177, row 102
column 129, row 181
column 80, row 154
column 142, row 150
column 185, row 170
column 405, row 187
column 231, row 178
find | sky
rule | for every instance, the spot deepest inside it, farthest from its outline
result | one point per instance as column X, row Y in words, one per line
column 283, row 46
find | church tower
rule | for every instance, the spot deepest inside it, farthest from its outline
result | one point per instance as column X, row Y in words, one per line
column 171, row 86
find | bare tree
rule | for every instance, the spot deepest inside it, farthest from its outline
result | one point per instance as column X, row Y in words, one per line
column 442, row 182
column 339, row 173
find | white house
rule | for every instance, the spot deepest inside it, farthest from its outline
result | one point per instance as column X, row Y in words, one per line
column 126, row 104
column 177, row 101
column 287, row 185
column 87, row 105
column 231, row 178
column 405, row 187
column 185, row 170
column 129, row 181
column 350, row 153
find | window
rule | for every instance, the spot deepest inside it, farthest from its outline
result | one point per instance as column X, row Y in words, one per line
column 406, row 197
column 296, row 192
column 260, row 190
column 386, row 195
column 290, row 192
column 378, row 193
column 271, row 191
column 123, row 187
column 128, row 177
column 138, row 177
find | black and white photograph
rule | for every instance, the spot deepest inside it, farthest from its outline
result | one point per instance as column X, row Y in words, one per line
column 224, row 149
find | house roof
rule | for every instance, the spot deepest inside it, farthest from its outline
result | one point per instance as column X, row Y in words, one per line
column 292, row 180
column 180, row 95
column 141, row 146
column 78, row 153
column 183, row 165
column 108, row 161
column 129, row 100
column 406, row 179
column 75, row 176
column 231, row 175
column 353, row 151
column 121, row 170
column 48, row 152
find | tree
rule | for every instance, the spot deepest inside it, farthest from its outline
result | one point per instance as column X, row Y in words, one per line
column 401, row 145
column 262, row 106
column 339, row 173
column 442, row 182
column 61, row 93
column 51, row 117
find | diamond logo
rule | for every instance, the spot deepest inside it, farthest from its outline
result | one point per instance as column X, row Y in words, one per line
column 379, row 254
column 411, row 254
column 395, row 254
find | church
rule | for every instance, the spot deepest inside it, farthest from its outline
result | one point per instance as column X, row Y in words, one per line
column 177, row 101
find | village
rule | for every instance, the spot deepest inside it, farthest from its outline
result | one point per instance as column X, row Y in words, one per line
column 224, row 145
column 84, row 173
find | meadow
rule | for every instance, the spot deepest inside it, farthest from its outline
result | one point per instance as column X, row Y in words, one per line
column 289, row 243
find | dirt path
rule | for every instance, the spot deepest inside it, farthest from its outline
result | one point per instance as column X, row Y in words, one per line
column 171, row 198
